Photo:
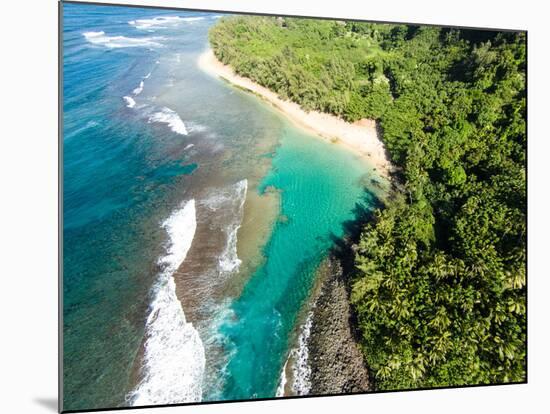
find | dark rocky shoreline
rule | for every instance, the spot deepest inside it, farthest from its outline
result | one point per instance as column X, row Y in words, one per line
column 336, row 362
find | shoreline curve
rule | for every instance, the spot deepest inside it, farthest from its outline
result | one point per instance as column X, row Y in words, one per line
column 362, row 136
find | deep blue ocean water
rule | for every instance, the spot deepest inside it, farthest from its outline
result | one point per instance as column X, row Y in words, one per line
column 145, row 131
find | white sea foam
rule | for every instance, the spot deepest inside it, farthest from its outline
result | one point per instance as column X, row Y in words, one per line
column 100, row 38
column 188, row 146
column 170, row 117
column 192, row 19
column 174, row 360
column 147, row 76
column 282, row 382
column 130, row 103
column 88, row 125
column 229, row 261
column 180, row 226
column 217, row 369
column 156, row 22
column 301, row 370
column 161, row 22
column 232, row 201
column 139, row 89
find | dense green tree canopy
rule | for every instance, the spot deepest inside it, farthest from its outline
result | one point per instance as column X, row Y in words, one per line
column 440, row 276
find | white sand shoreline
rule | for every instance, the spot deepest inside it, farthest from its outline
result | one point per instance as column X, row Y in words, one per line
column 361, row 136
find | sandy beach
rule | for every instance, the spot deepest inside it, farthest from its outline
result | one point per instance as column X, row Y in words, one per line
column 361, row 136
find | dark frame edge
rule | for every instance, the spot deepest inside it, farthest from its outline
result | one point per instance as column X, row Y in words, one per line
column 288, row 398
column 97, row 3
column 60, row 206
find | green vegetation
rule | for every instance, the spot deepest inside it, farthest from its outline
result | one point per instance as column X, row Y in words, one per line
column 439, row 289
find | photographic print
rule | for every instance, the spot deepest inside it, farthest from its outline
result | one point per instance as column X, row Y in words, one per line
column 262, row 207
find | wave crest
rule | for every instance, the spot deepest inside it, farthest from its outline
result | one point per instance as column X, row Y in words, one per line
column 161, row 22
column 231, row 201
column 130, row 102
column 171, row 118
column 139, row 89
column 301, row 369
column 173, row 362
column 101, row 39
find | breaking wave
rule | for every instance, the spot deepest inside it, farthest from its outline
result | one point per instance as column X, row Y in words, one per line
column 101, row 39
column 173, row 362
column 130, row 102
column 282, row 382
column 171, row 118
column 231, row 201
column 161, row 22
column 301, row 370
column 139, row 89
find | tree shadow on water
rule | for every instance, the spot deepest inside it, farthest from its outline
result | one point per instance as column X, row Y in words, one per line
column 343, row 247
column 342, row 255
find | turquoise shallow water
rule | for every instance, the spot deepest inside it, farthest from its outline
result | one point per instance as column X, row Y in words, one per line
column 124, row 173
column 320, row 186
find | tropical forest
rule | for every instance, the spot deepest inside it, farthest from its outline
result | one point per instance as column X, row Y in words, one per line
column 438, row 286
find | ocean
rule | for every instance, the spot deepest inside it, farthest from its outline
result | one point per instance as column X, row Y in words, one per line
column 195, row 217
